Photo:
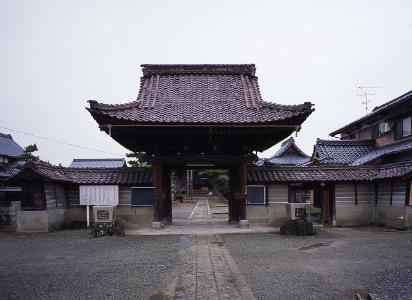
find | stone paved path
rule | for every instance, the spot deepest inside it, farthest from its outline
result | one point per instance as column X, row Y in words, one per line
column 208, row 271
column 201, row 210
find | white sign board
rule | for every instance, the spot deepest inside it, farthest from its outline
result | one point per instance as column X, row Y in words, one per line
column 99, row 195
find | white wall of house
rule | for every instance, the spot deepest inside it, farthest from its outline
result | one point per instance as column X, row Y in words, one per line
column 348, row 211
column 275, row 210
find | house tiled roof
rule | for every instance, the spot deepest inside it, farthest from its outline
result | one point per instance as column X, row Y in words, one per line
column 8, row 147
column 398, row 147
column 394, row 171
column 285, row 157
column 111, row 176
column 126, row 176
column 4, row 174
column 377, row 112
column 200, row 94
column 262, row 174
column 98, row 163
column 15, row 167
column 11, row 169
column 269, row 174
column 341, row 151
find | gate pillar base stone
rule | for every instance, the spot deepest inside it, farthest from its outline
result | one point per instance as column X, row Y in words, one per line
column 244, row 224
column 157, row 225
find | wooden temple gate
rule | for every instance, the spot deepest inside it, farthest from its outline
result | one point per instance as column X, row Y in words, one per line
column 199, row 115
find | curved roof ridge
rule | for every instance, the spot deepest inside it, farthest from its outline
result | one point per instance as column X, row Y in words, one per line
column 357, row 141
column 94, row 104
column 201, row 69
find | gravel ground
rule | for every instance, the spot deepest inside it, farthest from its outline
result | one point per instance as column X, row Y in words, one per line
column 335, row 264
column 69, row 265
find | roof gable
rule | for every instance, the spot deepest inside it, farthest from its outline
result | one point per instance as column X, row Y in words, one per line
column 341, row 151
column 8, row 147
column 289, row 154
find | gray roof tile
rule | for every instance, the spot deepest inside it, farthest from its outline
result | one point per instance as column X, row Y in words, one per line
column 398, row 147
column 8, row 147
column 326, row 173
column 341, row 152
column 126, row 176
column 201, row 94
column 98, row 163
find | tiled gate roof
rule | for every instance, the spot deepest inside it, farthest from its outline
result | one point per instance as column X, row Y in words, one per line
column 200, row 94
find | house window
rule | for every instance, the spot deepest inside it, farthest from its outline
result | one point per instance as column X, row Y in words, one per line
column 143, row 196
column 403, row 128
column 383, row 128
column 375, row 131
column 406, row 126
column 255, row 194
column 354, row 136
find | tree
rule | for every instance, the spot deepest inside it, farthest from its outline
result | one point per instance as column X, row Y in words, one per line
column 137, row 159
column 28, row 153
column 220, row 179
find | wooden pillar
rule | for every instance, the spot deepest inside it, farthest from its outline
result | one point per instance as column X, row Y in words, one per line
column 158, row 178
column 325, row 206
column 231, row 200
column 242, row 191
column 237, row 203
column 408, row 192
column 166, row 196
column 233, row 203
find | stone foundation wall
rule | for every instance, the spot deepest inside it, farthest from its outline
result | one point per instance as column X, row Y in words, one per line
column 257, row 213
column 129, row 215
column 77, row 214
column 274, row 214
column 390, row 215
column 352, row 215
column 40, row 221
column 135, row 216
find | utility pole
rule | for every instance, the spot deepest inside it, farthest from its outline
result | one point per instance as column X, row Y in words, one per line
column 364, row 92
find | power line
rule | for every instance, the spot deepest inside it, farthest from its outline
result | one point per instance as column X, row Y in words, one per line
column 59, row 142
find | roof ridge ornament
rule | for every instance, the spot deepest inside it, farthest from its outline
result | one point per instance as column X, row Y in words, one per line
column 198, row 69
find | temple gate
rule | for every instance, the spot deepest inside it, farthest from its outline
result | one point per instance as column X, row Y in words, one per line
column 196, row 116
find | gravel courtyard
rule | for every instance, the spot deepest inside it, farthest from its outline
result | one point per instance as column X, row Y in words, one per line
column 335, row 264
column 69, row 265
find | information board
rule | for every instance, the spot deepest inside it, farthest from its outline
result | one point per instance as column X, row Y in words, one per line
column 99, row 195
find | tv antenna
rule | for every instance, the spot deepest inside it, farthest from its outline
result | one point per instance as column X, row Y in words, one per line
column 364, row 92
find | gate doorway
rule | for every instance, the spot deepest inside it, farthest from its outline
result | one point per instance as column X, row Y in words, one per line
column 200, row 196
column 234, row 167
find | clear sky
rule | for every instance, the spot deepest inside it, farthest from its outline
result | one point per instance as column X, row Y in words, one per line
column 55, row 55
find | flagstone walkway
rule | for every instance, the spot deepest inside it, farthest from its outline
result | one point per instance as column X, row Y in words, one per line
column 208, row 271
